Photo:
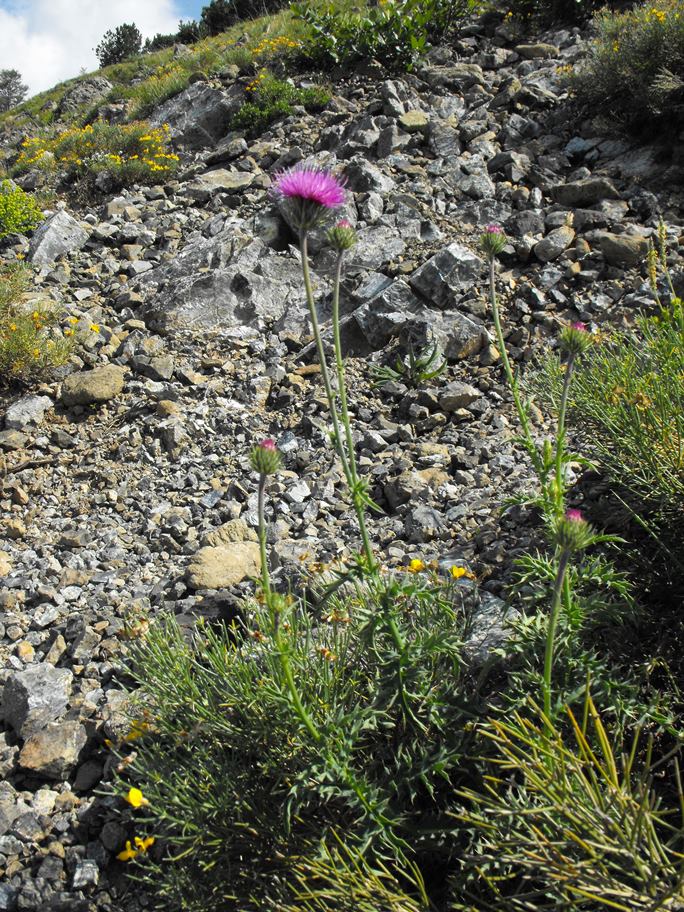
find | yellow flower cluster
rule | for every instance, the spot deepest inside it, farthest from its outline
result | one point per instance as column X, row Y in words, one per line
column 127, row 148
column 141, row 847
column 275, row 45
column 256, row 83
column 656, row 15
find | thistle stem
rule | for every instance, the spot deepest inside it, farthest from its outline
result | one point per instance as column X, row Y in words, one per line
column 265, row 577
column 560, row 434
column 342, row 392
column 558, row 586
column 286, row 668
column 510, row 376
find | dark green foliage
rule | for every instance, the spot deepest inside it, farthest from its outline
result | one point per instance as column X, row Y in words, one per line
column 415, row 369
column 395, row 33
column 221, row 14
column 118, row 44
column 12, row 89
column 189, row 31
column 158, row 43
column 273, row 98
column 548, row 12
column 634, row 74
column 239, row 789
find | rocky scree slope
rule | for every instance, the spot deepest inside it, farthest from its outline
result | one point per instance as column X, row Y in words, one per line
column 126, row 488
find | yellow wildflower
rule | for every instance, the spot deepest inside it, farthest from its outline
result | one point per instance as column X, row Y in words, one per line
column 460, row 572
column 94, row 327
column 128, row 853
column 416, row 566
column 136, row 798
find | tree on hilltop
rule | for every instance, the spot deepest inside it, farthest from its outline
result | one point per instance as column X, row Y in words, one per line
column 118, row 44
column 12, row 89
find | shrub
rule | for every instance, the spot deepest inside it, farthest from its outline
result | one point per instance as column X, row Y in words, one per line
column 188, row 32
column 19, row 212
column 397, row 33
column 552, row 11
column 627, row 405
column 118, row 44
column 274, row 98
column 158, row 43
column 573, row 821
column 219, row 15
column 240, row 789
column 130, row 153
column 634, row 73
column 31, row 343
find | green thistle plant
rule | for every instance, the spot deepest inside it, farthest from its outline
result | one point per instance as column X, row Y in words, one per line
column 417, row 369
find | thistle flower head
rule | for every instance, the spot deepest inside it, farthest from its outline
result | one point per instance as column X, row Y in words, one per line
column 308, row 195
column 342, row 237
column 265, row 457
column 573, row 533
column 575, row 338
column 493, row 240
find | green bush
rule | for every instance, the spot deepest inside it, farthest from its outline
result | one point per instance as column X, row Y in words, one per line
column 31, row 341
column 131, row 153
column 274, row 98
column 553, row 11
column 19, row 212
column 627, row 406
column 396, row 32
column 219, row 15
column 240, row 790
column 634, row 74
column 574, row 820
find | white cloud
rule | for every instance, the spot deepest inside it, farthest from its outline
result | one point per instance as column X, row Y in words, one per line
column 51, row 40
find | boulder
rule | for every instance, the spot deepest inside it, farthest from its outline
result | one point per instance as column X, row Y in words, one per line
column 219, row 181
column 57, row 236
column 584, row 192
column 414, row 121
column 457, row 395
column 537, row 51
column 224, row 565
column 90, row 387
column 54, row 751
column 621, row 249
column 34, row 697
column 85, row 92
column 199, row 116
column 451, row 271
column 555, row 242
column 27, row 410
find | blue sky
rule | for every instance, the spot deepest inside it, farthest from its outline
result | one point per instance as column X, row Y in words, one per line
column 51, row 40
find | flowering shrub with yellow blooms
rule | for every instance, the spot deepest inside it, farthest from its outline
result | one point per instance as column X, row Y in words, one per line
column 634, row 73
column 19, row 212
column 34, row 337
column 132, row 153
column 271, row 98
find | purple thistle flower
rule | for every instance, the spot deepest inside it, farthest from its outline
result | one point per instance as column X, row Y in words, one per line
column 493, row 229
column 579, row 326
column 574, row 515
column 308, row 195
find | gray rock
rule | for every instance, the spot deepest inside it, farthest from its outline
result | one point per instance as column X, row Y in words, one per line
column 200, row 115
column 86, row 874
column 54, row 751
column 488, row 628
column 414, row 121
column 90, row 387
column 537, row 51
column 85, row 92
column 555, row 242
column 457, row 395
column 623, row 250
column 584, row 192
column 27, row 410
column 218, row 181
column 34, row 697
column 424, row 524
column 364, row 177
column 443, row 276
column 225, row 281
column 57, row 236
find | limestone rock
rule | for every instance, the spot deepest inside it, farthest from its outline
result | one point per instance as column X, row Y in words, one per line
column 27, row 410
column 537, row 51
column 85, row 92
column 34, row 697
column 443, row 276
column 555, row 242
column 457, row 395
column 414, row 121
column 219, row 181
column 584, row 192
column 200, row 115
column 89, row 387
column 235, row 530
column 54, row 751
column 58, row 235
column 621, row 249
column 224, row 565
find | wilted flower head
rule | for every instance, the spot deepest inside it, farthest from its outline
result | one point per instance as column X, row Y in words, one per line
column 493, row 240
column 342, row 237
column 265, row 457
column 575, row 339
column 308, row 194
column 573, row 532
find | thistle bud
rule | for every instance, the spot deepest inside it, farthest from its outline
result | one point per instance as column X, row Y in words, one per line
column 573, row 533
column 265, row 458
column 493, row 240
column 342, row 237
column 575, row 339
